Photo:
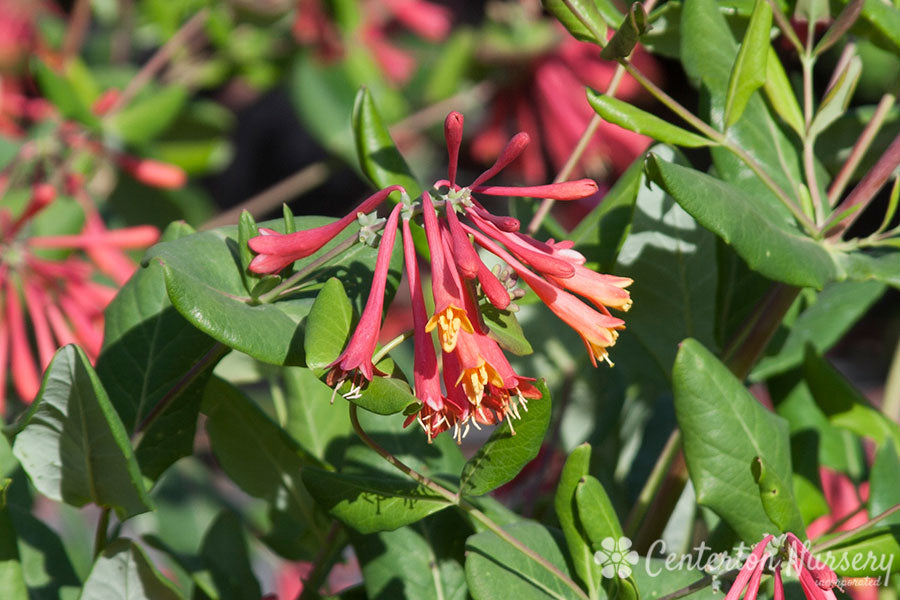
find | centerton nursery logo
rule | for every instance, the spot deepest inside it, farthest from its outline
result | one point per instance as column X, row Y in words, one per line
column 615, row 558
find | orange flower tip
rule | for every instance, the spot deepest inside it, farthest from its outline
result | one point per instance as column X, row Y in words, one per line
column 42, row 194
column 154, row 173
column 105, row 102
column 448, row 323
column 474, row 380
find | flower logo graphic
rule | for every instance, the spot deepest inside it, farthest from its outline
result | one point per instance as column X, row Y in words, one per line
column 615, row 557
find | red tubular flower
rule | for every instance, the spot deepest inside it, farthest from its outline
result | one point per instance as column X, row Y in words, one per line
column 276, row 250
column 153, row 172
column 63, row 299
column 24, row 369
column 357, row 356
column 816, row 577
column 449, row 315
column 426, row 382
column 750, row 573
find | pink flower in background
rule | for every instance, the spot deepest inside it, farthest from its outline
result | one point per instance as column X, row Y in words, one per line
column 313, row 27
column 548, row 103
column 56, row 287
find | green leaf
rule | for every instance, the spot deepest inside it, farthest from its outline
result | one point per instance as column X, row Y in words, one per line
column 777, row 497
column 871, row 553
column 708, row 52
column 495, row 570
column 884, row 21
column 377, row 154
column 837, row 98
column 724, row 428
column 882, row 266
column 46, row 567
column 781, row 95
column 844, row 21
column 320, row 427
column 634, row 119
column 626, row 37
column 372, row 503
column 580, row 17
column 12, row 581
column 431, row 552
column 656, row 580
column 577, row 467
column 123, row 571
column 812, row 11
column 262, row 460
column 323, row 96
column 61, row 93
column 73, row 445
column 749, row 71
column 600, row 523
column 147, row 348
column 247, row 229
column 595, row 511
column 505, row 329
column 225, row 555
column 382, row 395
column 835, row 310
column 884, row 492
column 451, row 66
column 842, row 403
column 507, row 451
column 668, row 255
column 599, row 236
column 769, row 245
column 328, row 325
column 148, row 116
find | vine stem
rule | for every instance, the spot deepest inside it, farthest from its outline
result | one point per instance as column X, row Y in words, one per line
column 212, row 355
column 849, row 534
column 865, row 190
column 891, row 404
column 860, row 148
column 100, row 533
column 589, row 131
column 322, row 563
column 456, row 500
column 654, row 482
column 384, row 350
column 296, row 277
column 159, row 60
column 698, row 124
column 79, row 21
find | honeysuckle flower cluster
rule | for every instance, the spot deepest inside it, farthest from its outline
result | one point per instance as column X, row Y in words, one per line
column 313, row 27
column 471, row 381
column 816, row 578
column 52, row 298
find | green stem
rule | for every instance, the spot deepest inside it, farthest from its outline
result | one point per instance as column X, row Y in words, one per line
column 456, row 500
column 211, row 357
column 849, row 534
column 322, row 563
column 654, row 482
column 384, row 350
column 285, row 285
column 749, row 343
column 891, row 406
column 861, row 147
column 100, row 533
column 723, row 141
